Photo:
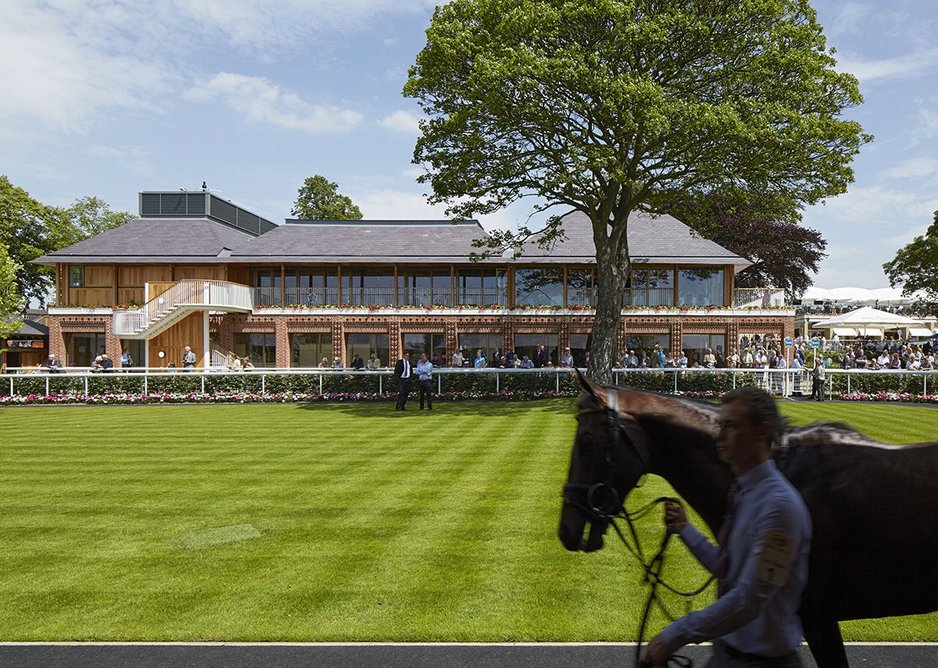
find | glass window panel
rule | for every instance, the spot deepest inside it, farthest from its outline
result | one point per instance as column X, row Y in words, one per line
column 539, row 287
column 363, row 344
column 308, row 349
column 700, row 287
column 527, row 344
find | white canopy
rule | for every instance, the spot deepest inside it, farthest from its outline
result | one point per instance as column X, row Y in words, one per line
column 867, row 320
column 815, row 294
column 853, row 295
column 920, row 332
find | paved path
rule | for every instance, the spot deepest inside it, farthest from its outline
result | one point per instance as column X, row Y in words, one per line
column 393, row 655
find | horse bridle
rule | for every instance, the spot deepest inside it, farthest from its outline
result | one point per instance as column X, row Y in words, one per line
column 616, row 510
column 593, row 504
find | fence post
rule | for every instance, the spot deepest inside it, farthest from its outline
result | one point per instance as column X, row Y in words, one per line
column 557, row 378
column 146, row 384
column 47, row 385
column 202, row 378
column 86, row 385
column 439, row 380
column 264, row 384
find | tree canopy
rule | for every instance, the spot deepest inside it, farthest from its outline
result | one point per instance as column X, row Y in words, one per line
column 30, row 229
column 319, row 199
column 10, row 300
column 608, row 106
column 767, row 233
column 915, row 266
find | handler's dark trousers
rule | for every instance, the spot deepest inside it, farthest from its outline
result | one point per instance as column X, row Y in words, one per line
column 426, row 392
column 403, row 391
column 725, row 656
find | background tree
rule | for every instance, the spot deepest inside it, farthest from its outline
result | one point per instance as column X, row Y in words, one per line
column 11, row 303
column 915, row 267
column 86, row 217
column 783, row 254
column 319, row 199
column 26, row 232
column 30, row 229
column 611, row 106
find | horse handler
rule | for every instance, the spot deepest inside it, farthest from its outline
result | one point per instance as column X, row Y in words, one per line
column 761, row 561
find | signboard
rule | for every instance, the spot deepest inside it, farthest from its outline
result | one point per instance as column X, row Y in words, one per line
column 788, row 342
column 25, row 343
column 815, row 342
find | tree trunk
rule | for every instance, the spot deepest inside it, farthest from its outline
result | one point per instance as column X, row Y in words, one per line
column 612, row 271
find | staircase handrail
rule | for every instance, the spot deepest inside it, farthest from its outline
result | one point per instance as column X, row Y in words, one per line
column 189, row 292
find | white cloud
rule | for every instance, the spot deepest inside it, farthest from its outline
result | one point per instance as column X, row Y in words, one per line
column 874, row 204
column 264, row 102
column 56, row 77
column 136, row 158
column 389, row 204
column 912, row 168
column 849, row 18
column 907, row 66
column 401, row 121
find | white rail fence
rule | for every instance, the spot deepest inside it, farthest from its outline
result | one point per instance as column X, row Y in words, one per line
column 474, row 382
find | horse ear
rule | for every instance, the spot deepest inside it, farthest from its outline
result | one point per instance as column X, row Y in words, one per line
column 589, row 386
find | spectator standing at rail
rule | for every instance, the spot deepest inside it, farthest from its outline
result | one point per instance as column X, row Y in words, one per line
column 424, row 370
column 402, row 375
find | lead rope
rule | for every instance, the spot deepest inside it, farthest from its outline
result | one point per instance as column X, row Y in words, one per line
column 652, row 575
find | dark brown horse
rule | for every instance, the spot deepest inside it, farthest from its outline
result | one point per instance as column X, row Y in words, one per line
column 874, row 506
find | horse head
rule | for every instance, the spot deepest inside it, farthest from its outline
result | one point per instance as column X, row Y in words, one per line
column 610, row 455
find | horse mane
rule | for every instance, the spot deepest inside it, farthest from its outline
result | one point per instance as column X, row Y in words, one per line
column 837, row 433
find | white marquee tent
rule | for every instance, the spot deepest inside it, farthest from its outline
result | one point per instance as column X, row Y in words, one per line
column 868, row 321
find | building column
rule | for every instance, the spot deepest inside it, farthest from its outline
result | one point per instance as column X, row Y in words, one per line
column 57, row 340
column 283, row 342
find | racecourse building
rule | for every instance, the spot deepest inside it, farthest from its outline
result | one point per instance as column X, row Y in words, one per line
column 195, row 270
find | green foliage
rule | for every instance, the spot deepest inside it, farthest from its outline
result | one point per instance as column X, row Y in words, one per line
column 88, row 217
column 27, row 231
column 609, row 106
column 10, row 300
column 915, row 266
column 30, row 229
column 319, row 199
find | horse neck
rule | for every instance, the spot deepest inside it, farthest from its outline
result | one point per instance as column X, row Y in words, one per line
column 692, row 468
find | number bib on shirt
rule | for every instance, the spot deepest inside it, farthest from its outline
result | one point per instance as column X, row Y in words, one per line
column 775, row 561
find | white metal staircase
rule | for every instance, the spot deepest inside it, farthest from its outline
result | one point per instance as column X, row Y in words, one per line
column 182, row 299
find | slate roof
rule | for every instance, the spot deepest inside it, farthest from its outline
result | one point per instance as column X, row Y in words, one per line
column 653, row 239
column 156, row 240
column 371, row 241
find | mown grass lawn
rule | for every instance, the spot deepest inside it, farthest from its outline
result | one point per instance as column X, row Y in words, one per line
column 326, row 523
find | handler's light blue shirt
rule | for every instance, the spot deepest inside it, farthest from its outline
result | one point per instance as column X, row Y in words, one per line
column 424, row 369
column 755, row 614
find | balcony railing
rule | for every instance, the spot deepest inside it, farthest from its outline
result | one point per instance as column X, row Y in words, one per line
column 759, row 297
column 576, row 297
column 179, row 299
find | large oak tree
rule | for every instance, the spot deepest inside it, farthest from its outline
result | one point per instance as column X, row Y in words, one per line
column 609, row 106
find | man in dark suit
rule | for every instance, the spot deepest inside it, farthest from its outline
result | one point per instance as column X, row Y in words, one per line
column 402, row 374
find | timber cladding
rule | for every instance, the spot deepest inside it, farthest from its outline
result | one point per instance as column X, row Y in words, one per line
column 187, row 332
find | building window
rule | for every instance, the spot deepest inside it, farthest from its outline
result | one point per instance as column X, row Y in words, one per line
column 539, row 287
column 581, row 287
column 363, row 345
column 527, row 345
column 646, row 343
column 367, row 288
column 267, row 287
column 580, row 347
column 700, row 287
column 307, row 350
column 471, row 342
column 482, row 287
column 424, row 288
column 259, row 347
column 650, row 287
column 76, row 277
column 312, row 287
column 433, row 344
column 695, row 347
column 81, row 349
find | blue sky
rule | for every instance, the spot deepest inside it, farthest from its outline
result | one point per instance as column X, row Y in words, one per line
column 109, row 98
